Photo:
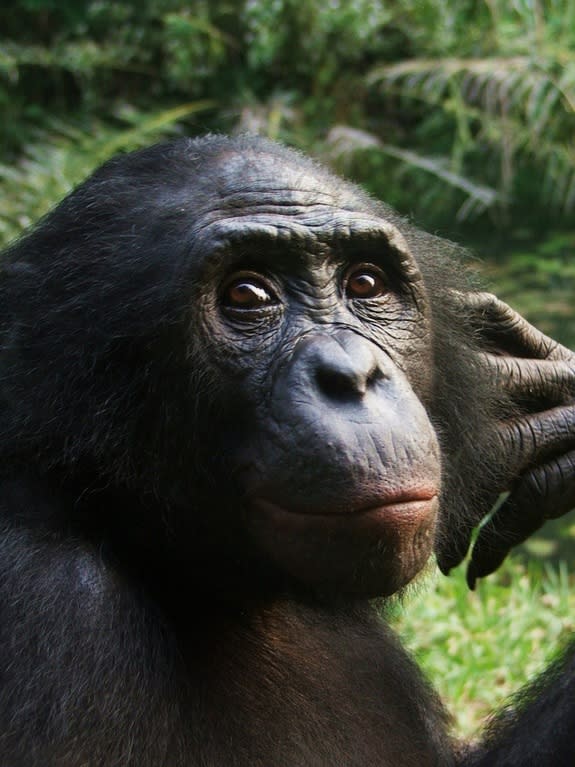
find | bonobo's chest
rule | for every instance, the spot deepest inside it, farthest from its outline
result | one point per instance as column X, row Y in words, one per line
column 291, row 685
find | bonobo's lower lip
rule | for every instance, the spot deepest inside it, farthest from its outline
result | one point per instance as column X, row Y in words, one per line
column 402, row 513
column 368, row 548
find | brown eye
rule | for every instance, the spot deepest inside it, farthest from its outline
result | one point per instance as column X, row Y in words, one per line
column 365, row 282
column 247, row 292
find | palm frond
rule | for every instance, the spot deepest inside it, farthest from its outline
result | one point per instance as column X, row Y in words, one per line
column 515, row 106
column 64, row 153
column 344, row 140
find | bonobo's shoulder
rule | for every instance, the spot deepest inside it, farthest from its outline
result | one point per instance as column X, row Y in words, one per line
column 25, row 497
column 38, row 556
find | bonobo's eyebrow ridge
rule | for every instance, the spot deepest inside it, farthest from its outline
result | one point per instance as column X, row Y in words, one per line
column 321, row 225
column 341, row 231
column 308, row 229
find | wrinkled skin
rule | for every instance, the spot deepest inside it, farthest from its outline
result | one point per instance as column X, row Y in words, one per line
column 538, row 374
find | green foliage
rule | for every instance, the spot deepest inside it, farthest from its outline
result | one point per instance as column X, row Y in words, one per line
column 328, row 37
column 479, row 648
column 512, row 110
column 538, row 278
column 495, row 86
column 465, row 102
column 92, row 57
column 57, row 161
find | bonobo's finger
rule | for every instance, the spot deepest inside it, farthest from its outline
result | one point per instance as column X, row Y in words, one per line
column 533, row 381
column 455, row 549
column 527, row 442
column 502, row 328
column 545, row 492
column 535, row 446
column 454, row 538
column 534, row 439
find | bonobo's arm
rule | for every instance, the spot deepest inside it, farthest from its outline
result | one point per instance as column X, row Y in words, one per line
column 537, row 432
column 536, row 729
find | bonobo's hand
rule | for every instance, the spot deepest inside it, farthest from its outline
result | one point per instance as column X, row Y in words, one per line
column 538, row 437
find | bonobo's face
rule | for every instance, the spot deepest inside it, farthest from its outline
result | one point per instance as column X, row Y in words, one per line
column 316, row 317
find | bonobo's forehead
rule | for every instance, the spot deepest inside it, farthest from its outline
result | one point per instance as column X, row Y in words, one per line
column 260, row 194
column 274, row 179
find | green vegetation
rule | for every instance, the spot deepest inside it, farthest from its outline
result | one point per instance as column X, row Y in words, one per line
column 461, row 113
column 478, row 648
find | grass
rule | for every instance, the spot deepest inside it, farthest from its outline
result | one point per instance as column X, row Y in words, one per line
column 478, row 648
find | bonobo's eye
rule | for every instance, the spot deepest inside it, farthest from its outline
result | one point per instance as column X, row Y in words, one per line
column 247, row 291
column 364, row 281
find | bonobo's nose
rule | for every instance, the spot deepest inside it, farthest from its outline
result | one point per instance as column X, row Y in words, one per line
column 341, row 365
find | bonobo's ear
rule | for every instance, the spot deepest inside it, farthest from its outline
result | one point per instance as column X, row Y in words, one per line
column 536, row 434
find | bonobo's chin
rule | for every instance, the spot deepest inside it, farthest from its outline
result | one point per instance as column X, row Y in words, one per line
column 367, row 552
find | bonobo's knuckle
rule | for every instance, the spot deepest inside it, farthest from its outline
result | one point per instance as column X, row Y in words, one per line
column 535, row 439
column 550, row 487
column 538, row 482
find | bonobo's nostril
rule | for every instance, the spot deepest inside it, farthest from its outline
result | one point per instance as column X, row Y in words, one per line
column 338, row 383
column 344, row 372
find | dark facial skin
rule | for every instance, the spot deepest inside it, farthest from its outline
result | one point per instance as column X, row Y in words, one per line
column 320, row 306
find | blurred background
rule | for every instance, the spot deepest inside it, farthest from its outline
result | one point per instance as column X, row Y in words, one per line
column 460, row 113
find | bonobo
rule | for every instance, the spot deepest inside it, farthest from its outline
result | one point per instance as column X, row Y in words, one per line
column 238, row 400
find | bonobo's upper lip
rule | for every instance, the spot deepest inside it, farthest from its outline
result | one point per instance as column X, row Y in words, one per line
column 401, row 503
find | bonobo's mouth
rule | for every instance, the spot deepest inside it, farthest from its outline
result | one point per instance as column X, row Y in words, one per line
column 371, row 548
column 404, row 510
